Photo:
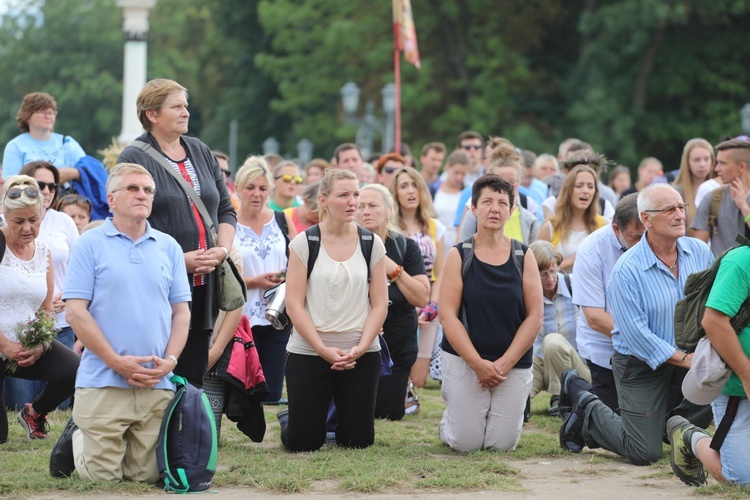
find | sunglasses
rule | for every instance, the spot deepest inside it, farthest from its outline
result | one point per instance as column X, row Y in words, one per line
column 135, row 188
column 15, row 192
column 469, row 147
column 390, row 170
column 289, row 178
column 74, row 199
column 49, row 185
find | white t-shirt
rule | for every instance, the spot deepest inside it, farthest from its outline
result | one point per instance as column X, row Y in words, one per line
column 337, row 297
column 59, row 233
column 446, row 205
column 704, row 189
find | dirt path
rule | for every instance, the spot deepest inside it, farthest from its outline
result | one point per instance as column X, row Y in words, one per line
column 586, row 476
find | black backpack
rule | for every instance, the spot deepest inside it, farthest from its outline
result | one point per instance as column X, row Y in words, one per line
column 313, row 246
column 186, row 450
column 688, row 312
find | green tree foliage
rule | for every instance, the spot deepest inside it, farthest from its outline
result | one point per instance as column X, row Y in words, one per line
column 75, row 54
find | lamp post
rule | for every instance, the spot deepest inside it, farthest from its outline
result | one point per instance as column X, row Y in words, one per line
column 745, row 115
column 305, row 150
column 369, row 124
column 270, row 146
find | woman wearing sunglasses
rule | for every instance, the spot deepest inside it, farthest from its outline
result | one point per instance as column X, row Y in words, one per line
column 286, row 180
column 59, row 233
column 26, row 277
column 36, row 119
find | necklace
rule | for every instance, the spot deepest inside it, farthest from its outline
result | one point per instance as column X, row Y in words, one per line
column 671, row 268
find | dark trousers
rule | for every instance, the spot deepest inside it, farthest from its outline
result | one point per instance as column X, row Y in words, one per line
column 311, row 384
column 58, row 368
column 647, row 398
column 193, row 361
column 392, row 388
column 271, row 345
column 603, row 385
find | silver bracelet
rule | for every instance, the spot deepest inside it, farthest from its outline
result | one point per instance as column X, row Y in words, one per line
column 173, row 358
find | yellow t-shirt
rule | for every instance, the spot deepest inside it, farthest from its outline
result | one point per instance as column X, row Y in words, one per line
column 513, row 226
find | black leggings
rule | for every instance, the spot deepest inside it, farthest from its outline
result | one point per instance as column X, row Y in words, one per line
column 392, row 388
column 58, row 368
column 311, row 383
column 271, row 345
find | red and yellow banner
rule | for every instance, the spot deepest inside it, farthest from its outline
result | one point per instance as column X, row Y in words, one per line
column 404, row 32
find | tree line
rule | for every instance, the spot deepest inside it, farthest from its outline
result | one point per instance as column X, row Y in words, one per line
column 634, row 78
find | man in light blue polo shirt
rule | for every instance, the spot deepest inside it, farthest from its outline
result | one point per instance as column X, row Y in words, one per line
column 127, row 295
column 645, row 284
column 595, row 259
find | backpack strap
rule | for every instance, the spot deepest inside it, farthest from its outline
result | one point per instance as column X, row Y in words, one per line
column 281, row 221
column 365, row 244
column 568, row 283
column 524, row 200
column 313, row 247
column 713, row 213
column 2, row 245
column 726, row 422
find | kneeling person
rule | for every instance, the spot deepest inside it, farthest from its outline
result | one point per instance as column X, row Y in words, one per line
column 127, row 299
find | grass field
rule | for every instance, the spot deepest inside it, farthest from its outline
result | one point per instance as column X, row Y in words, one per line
column 407, row 457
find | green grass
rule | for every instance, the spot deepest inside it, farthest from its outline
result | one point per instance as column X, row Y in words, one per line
column 407, row 458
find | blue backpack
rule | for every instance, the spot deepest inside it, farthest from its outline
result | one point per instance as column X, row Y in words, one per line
column 186, row 450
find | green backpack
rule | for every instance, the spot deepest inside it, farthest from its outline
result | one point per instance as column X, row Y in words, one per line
column 688, row 312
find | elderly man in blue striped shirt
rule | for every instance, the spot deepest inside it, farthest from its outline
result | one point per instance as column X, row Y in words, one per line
column 644, row 286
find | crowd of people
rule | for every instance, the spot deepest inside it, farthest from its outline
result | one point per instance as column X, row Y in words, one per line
column 498, row 272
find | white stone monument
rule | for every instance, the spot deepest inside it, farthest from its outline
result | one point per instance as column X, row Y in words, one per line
column 135, row 28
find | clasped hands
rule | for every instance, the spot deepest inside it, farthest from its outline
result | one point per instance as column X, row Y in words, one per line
column 201, row 262
column 137, row 374
column 341, row 360
column 490, row 373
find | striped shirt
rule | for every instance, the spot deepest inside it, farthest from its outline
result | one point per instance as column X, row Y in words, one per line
column 560, row 315
column 643, row 294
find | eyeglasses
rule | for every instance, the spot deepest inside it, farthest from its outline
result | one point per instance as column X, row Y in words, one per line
column 469, row 147
column 390, row 170
column 48, row 185
column 289, row 178
column 552, row 271
column 46, row 112
column 670, row 210
column 15, row 192
column 135, row 188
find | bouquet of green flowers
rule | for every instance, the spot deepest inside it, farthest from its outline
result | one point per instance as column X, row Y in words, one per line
column 35, row 332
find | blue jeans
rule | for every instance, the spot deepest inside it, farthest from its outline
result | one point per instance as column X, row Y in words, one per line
column 18, row 391
column 735, row 454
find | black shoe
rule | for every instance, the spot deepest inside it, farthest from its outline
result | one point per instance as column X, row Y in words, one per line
column 61, row 463
column 554, row 406
column 566, row 398
column 527, row 410
column 571, row 431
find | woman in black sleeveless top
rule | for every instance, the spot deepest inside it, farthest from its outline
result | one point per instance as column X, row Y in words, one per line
column 487, row 367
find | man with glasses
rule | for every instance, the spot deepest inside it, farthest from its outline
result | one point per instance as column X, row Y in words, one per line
column 133, row 336
column 471, row 143
column 595, row 259
column 733, row 199
column 644, row 287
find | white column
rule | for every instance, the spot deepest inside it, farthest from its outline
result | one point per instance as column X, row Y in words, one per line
column 135, row 28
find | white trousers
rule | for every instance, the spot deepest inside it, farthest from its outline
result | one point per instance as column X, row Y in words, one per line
column 477, row 418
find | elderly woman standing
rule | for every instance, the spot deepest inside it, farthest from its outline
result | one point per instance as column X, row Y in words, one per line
column 408, row 287
column 162, row 110
column 36, row 119
column 262, row 238
column 490, row 318
column 26, row 285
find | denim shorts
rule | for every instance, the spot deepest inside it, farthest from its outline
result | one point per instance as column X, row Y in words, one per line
column 735, row 453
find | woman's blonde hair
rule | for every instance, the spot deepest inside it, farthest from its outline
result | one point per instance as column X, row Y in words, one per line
column 685, row 180
column 563, row 219
column 254, row 167
column 326, row 186
column 504, row 155
column 23, row 201
column 425, row 210
column 546, row 254
column 391, row 224
column 115, row 175
column 152, row 97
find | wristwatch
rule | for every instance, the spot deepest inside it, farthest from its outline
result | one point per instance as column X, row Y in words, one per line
column 173, row 358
